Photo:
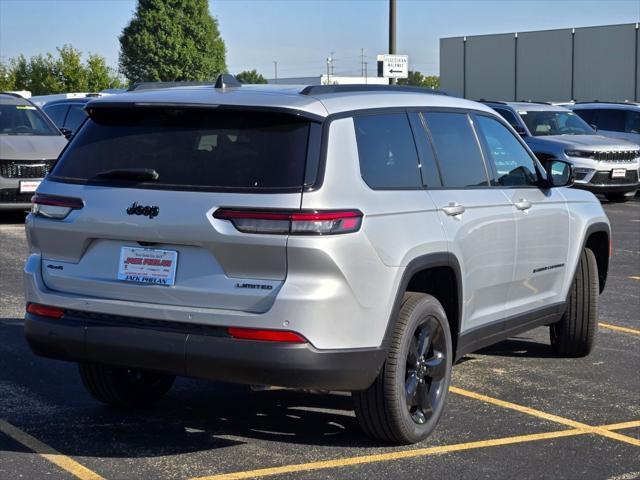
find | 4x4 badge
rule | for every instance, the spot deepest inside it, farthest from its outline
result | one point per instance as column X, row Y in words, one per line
column 145, row 210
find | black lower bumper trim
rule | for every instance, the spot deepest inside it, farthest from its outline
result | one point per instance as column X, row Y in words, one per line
column 214, row 357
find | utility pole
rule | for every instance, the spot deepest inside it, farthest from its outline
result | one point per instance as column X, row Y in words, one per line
column 332, row 59
column 275, row 64
column 362, row 62
column 329, row 60
column 392, row 32
column 366, row 79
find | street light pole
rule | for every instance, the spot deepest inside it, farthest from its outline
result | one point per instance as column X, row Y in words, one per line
column 392, row 32
column 275, row 64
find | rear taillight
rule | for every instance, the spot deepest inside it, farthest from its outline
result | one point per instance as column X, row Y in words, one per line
column 45, row 310
column 266, row 335
column 51, row 206
column 292, row 222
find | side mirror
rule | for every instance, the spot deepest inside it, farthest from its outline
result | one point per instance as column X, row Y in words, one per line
column 67, row 132
column 594, row 126
column 559, row 173
column 520, row 130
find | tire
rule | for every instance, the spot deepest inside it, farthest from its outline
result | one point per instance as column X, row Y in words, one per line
column 619, row 197
column 574, row 335
column 124, row 387
column 385, row 411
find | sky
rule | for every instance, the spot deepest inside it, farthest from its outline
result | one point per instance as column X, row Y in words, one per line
column 301, row 34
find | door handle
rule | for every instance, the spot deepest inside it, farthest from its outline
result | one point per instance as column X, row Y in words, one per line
column 523, row 204
column 453, row 209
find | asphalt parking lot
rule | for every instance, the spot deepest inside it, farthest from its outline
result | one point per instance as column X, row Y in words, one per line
column 515, row 411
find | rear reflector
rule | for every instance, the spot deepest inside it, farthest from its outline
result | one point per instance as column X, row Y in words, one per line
column 54, row 207
column 292, row 222
column 45, row 311
column 266, row 335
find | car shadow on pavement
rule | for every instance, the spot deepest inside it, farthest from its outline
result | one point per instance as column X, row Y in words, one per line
column 519, row 347
column 12, row 217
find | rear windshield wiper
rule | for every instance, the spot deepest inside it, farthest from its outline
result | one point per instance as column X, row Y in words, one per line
column 140, row 174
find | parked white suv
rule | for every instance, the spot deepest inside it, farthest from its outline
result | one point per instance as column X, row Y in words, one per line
column 353, row 238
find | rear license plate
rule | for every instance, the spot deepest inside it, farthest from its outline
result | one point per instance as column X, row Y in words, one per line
column 618, row 173
column 148, row 265
column 29, row 186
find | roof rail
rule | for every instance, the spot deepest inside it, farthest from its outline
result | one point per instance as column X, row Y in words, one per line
column 138, row 86
column 325, row 89
column 535, row 101
column 626, row 102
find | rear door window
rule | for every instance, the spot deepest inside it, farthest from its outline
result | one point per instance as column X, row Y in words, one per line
column 611, row 119
column 190, row 148
column 632, row 124
column 429, row 167
column 76, row 116
column 457, row 150
column 387, row 152
column 57, row 113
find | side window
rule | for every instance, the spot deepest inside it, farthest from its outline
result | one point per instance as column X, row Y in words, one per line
column 430, row 174
column 513, row 164
column 57, row 113
column 611, row 119
column 588, row 115
column 75, row 118
column 508, row 116
column 388, row 157
column 457, row 150
column 633, row 122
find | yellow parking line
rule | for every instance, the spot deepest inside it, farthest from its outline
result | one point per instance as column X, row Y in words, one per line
column 547, row 416
column 632, row 331
column 422, row 452
column 44, row 450
column 623, row 425
column 384, row 457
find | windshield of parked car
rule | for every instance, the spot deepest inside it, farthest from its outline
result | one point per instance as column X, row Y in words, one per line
column 554, row 122
column 24, row 120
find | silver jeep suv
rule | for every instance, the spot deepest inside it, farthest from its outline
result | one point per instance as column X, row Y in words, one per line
column 353, row 238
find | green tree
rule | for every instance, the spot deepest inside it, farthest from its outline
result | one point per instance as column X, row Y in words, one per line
column 19, row 71
column 46, row 74
column 100, row 75
column 71, row 73
column 416, row 79
column 7, row 79
column 42, row 75
column 251, row 76
column 171, row 40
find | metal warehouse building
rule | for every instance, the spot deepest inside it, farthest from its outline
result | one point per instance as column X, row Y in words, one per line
column 583, row 64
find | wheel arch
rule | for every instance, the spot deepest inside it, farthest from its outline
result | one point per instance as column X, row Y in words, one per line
column 597, row 238
column 437, row 274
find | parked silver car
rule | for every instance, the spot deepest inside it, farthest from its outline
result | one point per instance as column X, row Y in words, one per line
column 357, row 238
column 613, row 119
column 601, row 164
column 29, row 145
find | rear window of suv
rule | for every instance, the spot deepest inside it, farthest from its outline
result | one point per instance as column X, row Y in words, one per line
column 190, row 148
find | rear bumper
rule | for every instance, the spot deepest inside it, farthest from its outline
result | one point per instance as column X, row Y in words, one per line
column 197, row 351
